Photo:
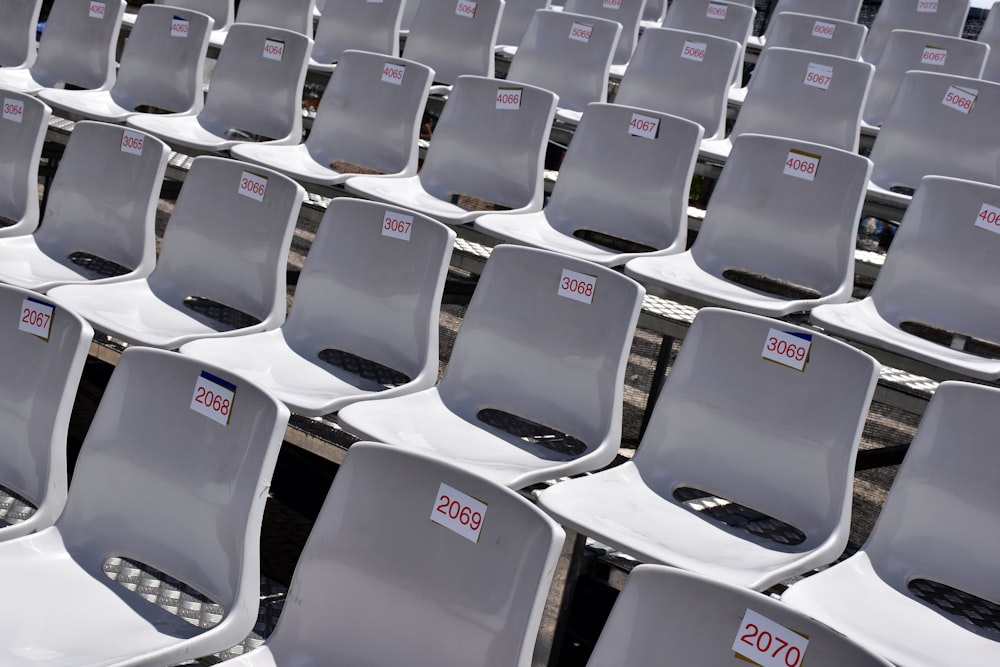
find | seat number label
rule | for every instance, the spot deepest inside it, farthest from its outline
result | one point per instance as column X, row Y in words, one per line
column 717, row 11
column 466, row 9
column 801, row 165
column 818, row 76
column 252, row 185
column 933, row 56
column 213, row 397
column 179, row 27
column 824, row 30
column 581, row 32
column 768, row 644
column 459, row 512
column 13, row 109
column 274, row 49
column 927, row 6
column 694, row 51
column 989, row 218
column 787, row 349
column 577, row 286
column 97, row 10
column 644, row 126
column 393, row 73
column 132, row 142
column 612, row 4
column 36, row 318
column 397, row 225
column 509, row 98
column 960, row 99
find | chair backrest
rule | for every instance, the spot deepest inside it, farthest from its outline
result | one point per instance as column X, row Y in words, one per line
column 626, row 12
column 569, row 54
column 163, row 482
column 110, row 212
column 946, row 226
column 490, row 143
column 455, row 38
column 366, row 26
column 228, row 238
column 939, row 124
column 567, row 374
column 163, row 63
column 17, row 32
column 712, row 17
column 372, row 286
column 808, row 96
column 371, row 118
column 655, row 11
column 257, row 83
column 665, row 611
column 78, row 45
column 23, row 125
column 516, row 17
column 943, row 495
column 841, row 10
column 425, row 579
column 940, row 17
column 802, row 224
column 909, row 50
column 682, row 73
column 807, row 32
column 409, row 11
column 731, row 422
column 223, row 12
column 295, row 15
column 43, row 374
column 643, row 162
column 990, row 34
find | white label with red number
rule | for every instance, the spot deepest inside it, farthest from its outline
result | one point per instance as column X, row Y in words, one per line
column 801, row 165
column 13, row 109
column 787, row 349
column 459, row 512
column 213, row 397
column 97, row 10
column 768, row 644
column 818, row 76
column 393, row 73
column 989, row 218
column 717, row 11
column 466, row 9
column 179, row 27
column 36, row 318
column 509, row 98
column 252, row 185
column 960, row 99
column 397, row 225
column 274, row 49
column 644, row 126
column 824, row 30
column 577, row 286
column 132, row 142
column 374, row 2
column 933, row 56
column 927, row 6
column 694, row 51
column 612, row 4
column 581, row 32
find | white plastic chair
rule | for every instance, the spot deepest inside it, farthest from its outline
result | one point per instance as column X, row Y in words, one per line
column 367, row 120
column 162, row 69
column 730, row 20
column 990, row 34
column 17, row 32
column 77, row 48
column 941, row 228
column 822, row 34
column 364, row 323
column 908, row 50
column 43, row 374
column 24, row 122
column 663, row 611
column 100, row 216
column 533, row 388
column 455, row 38
column 223, row 14
column 801, row 95
column 622, row 190
column 433, row 595
column 256, row 95
column 626, row 12
column 791, row 250
column 489, row 145
column 744, row 473
column 937, row 124
column 221, row 269
column 569, row 54
column 517, row 15
column 682, row 73
column 350, row 24
column 841, row 10
column 940, row 17
column 653, row 14
column 294, row 15
column 160, row 484
column 908, row 593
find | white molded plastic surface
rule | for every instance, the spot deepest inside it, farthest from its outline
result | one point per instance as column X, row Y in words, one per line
column 526, row 350
column 634, row 188
column 514, row 22
column 223, row 12
column 628, row 13
column 219, row 245
column 692, row 15
column 479, row 151
column 841, row 10
column 294, row 15
column 352, row 25
column 793, row 30
column 454, row 45
column 731, row 423
column 22, row 151
column 938, row 523
column 17, row 32
column 948, row 18
column 990, row 34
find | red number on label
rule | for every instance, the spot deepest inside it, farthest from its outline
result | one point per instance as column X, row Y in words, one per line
column 990, row 217
column 12, row 109
column 456, row 510
column 801, row 165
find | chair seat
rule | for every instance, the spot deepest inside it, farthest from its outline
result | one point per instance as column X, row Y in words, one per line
column 886, row 196
column 296, row 161
column 95, row 104
column 19, row 79
column 861, row 321
column 716, row 150
column 49, row 584
column 898, row 626
column 24, row 264
column 569, row 116
column 409, row 192
column 185, row 133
